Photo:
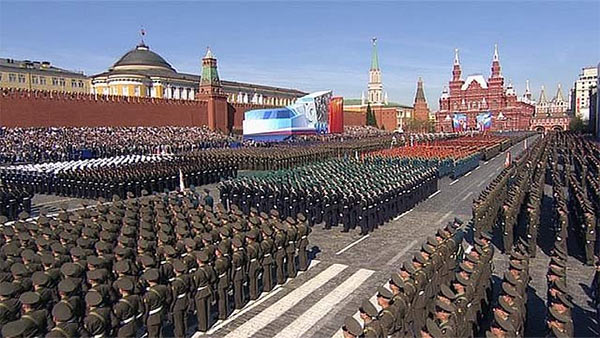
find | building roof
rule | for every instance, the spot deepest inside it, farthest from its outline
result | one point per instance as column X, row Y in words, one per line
column 542, row 98
column 474, row 77
column 420, row 96
column 374, row 58
column 559, row 95
column 142, row 56
column 27, row 66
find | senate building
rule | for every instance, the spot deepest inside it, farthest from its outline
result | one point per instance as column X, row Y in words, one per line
column 142, row 72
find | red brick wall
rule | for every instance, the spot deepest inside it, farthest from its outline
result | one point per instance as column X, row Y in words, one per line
column 22, row 108
column 355, row 118
column 386, row 118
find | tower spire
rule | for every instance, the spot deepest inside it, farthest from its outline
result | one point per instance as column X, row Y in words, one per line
column 496, row 52
column 374, row 58
column 542, row 96
column 456, row 60
column 420, row 95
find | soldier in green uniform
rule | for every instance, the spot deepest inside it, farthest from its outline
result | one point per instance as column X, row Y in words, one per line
column 268, row 250
column 368, row 314
column 204, row 278
column 238, row 266
column 10, row 306
column 222, row 269
column 128, row 310
column 99, row 321
column 387, row 316
column 182, row 287
column 157, row 300
column 254, row 253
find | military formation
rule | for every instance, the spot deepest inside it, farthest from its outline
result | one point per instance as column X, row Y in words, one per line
column 14, row 199
column 352, row 193
column 153, row 264
column 287, row 156
column 121, row 176
column 443, row 291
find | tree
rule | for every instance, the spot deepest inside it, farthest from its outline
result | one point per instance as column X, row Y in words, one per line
column 371, row 121
column 577, row 125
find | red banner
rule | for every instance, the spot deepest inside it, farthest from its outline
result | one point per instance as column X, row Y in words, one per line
column 336, row 115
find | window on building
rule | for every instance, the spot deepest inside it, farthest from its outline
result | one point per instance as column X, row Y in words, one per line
column 34, row 80
column 80, row 84
column 12, row 77
column 137, row 90
column 21, row 78
column 54, row 81
column 73, row 83
column 124, row 91
column 62, row 82
column 42, row 80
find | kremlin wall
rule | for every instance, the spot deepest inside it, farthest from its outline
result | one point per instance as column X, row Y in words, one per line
column 142, row 89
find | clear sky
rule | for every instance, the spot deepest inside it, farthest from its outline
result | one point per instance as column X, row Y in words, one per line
column 318, row 45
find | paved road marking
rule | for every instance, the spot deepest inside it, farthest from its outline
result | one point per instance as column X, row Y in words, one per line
column 435, row 193
column 453, row 182
column 477, row 167
column 445, row 215
column 402, row 214
column 482, row 182
column 274, row 311
column 401, row 253
column 303, row 323
column 353, row 244
column 53, row 202
column 466, row 196
column 469, row 173
column 491, row 174
column 356, row 315
column 253, row 303
column 486, row 162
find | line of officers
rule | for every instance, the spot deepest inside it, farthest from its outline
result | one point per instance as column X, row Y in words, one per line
column 335, row 192
column 444, row 291
column 107, row 181
column 109, row 271
column 14, row 200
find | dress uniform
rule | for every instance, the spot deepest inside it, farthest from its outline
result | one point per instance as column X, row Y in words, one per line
column 372, row 327
column 157, row 300
column 255, row 254
column 268, row 251
column 238, row 266
column 129, row 309
column 223, row 271
column 204, row 278
column 181, row 288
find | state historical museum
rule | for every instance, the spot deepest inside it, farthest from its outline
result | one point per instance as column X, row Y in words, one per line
column 477, row 96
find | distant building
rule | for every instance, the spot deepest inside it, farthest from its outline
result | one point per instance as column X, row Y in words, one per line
column 36, row 75
column 550, row 115
column 388, row 115
column 581, row 100
column 143, row 73
column 475, row 95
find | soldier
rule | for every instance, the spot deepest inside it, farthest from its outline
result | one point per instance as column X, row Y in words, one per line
column 280, row 252
column 128, row 310
column 66, row 326
column 222, row 270
column 10, row 306
column 303, row 231
column 157, row 300
column 34, row 311
column 100, row 320
column 268, row 249
column 181, row 288
column 290, row 248
column 387, row 316
column 238, row 266
column 204, row 278
column 254, row 265
column 351, row 328
column 372, row 327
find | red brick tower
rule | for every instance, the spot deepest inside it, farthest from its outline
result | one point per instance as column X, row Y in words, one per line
column 212, row 92
column 496, row 83
column 421, row 110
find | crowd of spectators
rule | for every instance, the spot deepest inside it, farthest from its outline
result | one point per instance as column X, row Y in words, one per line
column 39, row 145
